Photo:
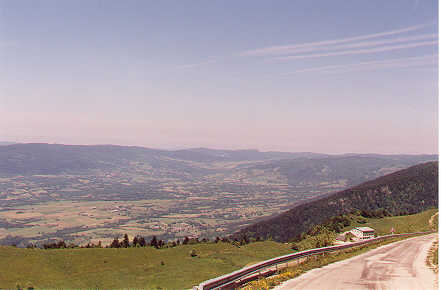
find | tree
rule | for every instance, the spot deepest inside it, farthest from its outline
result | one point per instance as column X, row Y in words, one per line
column 193, row 253
column 142, row 242
column 154, row 242
column 244, row 240
column 115, row 243
column 135, row 241
column 125, row 242
column 61, row 245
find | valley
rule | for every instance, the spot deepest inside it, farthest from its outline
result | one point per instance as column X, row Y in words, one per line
column 93, row 193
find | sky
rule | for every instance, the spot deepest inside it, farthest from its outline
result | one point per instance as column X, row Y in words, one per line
column 316, row 76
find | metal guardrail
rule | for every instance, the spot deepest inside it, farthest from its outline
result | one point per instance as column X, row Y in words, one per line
column 223, row 281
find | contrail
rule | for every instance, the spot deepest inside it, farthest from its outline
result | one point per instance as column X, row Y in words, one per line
column 282, row 49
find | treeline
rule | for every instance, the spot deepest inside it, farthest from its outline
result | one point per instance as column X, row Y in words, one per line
column 324, row 235
column 404, row 192
column 139, row 241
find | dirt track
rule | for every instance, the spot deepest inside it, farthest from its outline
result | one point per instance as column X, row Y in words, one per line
column 399, row 265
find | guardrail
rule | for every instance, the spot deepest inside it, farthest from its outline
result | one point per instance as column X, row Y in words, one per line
column 222, row 282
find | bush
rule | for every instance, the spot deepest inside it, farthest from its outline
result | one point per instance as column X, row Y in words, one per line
column 193, row 253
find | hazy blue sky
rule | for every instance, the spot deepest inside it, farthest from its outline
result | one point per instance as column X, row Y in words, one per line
column 322, row 76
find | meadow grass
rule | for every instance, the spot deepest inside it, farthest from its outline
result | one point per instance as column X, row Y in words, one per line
column 401, row 224
column 131, row 268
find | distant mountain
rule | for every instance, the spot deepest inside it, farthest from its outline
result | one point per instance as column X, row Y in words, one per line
column 349, row 169
column 6, row 143
column 40, row 158
column 210, row 155
column 298, row 168
column 406, row 191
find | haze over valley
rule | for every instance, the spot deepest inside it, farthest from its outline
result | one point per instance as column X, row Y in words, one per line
column 92, row 193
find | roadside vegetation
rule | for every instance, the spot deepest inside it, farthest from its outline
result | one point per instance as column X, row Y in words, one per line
column 432, row 257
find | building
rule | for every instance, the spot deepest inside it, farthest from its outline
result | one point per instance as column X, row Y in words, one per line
column 363, row 233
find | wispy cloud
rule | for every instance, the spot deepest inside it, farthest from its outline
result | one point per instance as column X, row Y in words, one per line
column 277, row 50
column 397, row 62
column 358, row 51
column 430, row 36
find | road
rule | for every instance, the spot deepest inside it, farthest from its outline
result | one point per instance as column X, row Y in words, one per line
column 400, row 265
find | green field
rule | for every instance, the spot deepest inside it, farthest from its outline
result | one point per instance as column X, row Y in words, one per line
column 139, row 268
column 401, row 224
column 148, row 268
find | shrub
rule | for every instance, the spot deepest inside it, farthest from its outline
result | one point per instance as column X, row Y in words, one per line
column 193, row 253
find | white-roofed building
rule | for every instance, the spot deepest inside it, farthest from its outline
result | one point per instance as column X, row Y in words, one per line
column 363, row 233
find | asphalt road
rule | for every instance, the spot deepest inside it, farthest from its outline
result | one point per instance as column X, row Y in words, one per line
column 399, row 265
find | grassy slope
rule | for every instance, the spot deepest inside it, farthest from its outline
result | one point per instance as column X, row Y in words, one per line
column 128, row 268
column 141, row 267
column 401, row 224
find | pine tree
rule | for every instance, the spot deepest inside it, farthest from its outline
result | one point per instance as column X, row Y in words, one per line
column 154, row 242
column 135, row 241
column 125, row 242
column 115, row 243
column 142, row 242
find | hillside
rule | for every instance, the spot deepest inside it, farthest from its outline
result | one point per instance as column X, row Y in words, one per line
column 406, row 191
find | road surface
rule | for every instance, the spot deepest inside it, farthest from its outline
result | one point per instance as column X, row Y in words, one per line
column 399, row 265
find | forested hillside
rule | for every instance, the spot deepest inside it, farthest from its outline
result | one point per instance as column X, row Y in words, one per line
column 407, row 191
